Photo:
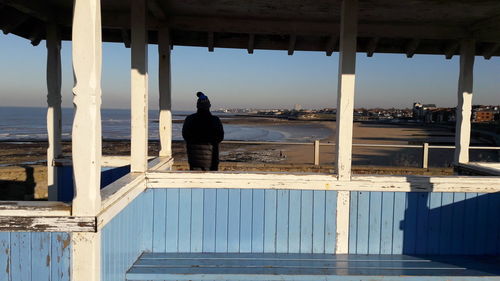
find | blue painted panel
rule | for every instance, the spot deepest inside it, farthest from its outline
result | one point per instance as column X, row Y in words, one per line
column 282, row 221
column 424, row 223
column 252, row 221
column 270, row 220
column 246, row 221
column 306, row 222
column 65, row 191
column 374, row 224
column 318, row 229
column 330, row 222
column 233, row 221
column 221, row 220
column 386, row 228
column 35, row 256
column 294, row 221
column 185, row 216
column 258, row 203
column 122, row 241
column 172, row 230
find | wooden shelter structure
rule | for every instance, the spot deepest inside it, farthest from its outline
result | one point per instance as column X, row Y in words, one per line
column 291, row 226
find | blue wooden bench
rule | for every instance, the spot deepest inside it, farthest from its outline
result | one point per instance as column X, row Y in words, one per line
column 251, row 266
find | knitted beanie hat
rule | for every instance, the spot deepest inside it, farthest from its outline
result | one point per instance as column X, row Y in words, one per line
column 203, row 101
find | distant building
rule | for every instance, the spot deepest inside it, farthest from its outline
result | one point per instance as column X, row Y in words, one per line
column 297, row 107
column 420, row 110
column 483, row 116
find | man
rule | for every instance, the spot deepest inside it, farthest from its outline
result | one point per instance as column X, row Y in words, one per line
column 203, row 132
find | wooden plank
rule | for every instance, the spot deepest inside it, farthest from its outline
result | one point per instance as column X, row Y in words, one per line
column 172, row 221
column 165, row 88
column 233, row 224
column 363, row 230
column 5, row 253
column 482, row 224
column 409, row 223
column 185, row 196
column 434, row 223
column 20, row 256
column 48, row 224
column 422, row 223
column 470, row 223
column 242, row 180
column 294, row 221
column 258, row 201
column 458, row 227
column 331, row 223
column 282, row 220
column 197, row 207
column 374, row 222
column 446, row 221
column 85, row 256
column 493, row 236
column 40, row 259
column 159, row 221
column 387, row 223
column 246, row 221
column 318, row 222
column 306, row 222
column 221, row 220
column 148, row 219
column 399, row 218
column 270, row 221
column 353, row 222
column 34, row 208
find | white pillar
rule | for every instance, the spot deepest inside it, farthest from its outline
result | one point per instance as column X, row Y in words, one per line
column 86, row 140
column 139, row 87
column 464, row 107
column 54, row 107
column 165, row 82
column 345, row 108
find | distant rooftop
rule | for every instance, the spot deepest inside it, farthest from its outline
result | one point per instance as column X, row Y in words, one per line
column 385, row 26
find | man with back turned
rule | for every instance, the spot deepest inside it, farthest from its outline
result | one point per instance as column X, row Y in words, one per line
column 203, row 132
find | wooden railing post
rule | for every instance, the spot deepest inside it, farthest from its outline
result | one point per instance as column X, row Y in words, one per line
column 165, row 87
column 344, row 116
column 86, row 139
column 139, row 87
column 54, row 149
column 316, row 152
column 464, row 107
column 425, row 155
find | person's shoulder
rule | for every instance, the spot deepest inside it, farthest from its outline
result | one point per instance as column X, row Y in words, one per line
column 215, row 118
column 189, row 117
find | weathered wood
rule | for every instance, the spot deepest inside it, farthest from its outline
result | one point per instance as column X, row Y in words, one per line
column 346, row 88
column 425, row 155
column 34, row 208
column 47, row 224
column 321, row 182
column 86, row 256
column 86, row 136
column 343, row 206
column 139, row 87
column 165, row 88
column 54, row 119
column 161, row 164
column 464, row 107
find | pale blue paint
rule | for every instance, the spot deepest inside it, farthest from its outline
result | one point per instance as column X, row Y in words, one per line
column 245, row 221
column 424, row 223
column 123, row 240
column 35, row 256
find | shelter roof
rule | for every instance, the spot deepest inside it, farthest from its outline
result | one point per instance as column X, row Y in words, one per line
column 385, row 26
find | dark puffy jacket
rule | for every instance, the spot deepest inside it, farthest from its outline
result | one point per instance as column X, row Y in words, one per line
column 203, row 132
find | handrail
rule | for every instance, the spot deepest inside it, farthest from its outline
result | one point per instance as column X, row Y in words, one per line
column 316, row 144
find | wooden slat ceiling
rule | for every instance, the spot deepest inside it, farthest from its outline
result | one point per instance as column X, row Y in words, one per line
column 385, row 26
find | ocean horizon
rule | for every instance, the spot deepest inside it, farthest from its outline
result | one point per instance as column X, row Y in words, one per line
column 18, row 124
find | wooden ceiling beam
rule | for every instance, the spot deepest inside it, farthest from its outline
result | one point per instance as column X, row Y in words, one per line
column 156, row 9
column 14, row 23
column 211, row 41
column 411, row 47
column 451, row 49
column 489, row 52
column 372, row 46
column 251, row 43
column 34, row 8
column 126, row 37
column 37, row 35
column 291, row 44
column 331, row 44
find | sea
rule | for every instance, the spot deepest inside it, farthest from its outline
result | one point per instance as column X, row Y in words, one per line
column 24, row 124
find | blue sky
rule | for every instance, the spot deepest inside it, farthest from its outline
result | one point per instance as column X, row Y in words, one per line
column 265, row 79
